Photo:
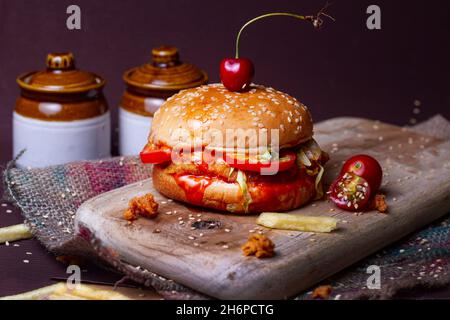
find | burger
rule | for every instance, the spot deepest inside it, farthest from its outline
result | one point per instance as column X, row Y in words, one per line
column 240, row 152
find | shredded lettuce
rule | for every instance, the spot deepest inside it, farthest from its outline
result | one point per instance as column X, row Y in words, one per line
column 266, row 156
column 230, row 172
column 308, row 156
column 318, row 184
column 302, row 159
column 242, row 181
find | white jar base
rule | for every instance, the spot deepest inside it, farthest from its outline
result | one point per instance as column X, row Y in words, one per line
column 133, row 132
column 57, row 142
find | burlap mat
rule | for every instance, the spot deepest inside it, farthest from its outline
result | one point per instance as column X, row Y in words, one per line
column 49, row 198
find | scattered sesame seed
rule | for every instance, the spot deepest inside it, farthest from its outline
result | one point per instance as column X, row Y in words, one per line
column 26, row 261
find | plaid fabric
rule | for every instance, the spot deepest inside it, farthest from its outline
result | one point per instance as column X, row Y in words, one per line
column 49, row 198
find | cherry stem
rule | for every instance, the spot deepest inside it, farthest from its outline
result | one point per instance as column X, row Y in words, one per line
column 316, row 21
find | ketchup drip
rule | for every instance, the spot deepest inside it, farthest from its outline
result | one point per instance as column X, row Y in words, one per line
column 194, row 186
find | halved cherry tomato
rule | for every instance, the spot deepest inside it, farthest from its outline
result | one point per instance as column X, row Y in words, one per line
column 350, row 192
column 366, row 167
column 155, row 156
column 285, row 162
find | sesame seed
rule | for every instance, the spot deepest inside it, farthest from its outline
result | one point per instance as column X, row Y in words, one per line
column 26, row 261
column 225, row 246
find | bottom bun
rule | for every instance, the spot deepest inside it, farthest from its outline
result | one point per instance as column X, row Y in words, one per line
column 211, row 192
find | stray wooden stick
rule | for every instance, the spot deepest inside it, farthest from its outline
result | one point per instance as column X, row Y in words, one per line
column 14, row 233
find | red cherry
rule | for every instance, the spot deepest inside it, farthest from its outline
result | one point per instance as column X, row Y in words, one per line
column 236, row 74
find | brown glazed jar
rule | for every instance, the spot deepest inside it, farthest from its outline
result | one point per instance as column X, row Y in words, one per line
column 61, row 115
column 148, row 86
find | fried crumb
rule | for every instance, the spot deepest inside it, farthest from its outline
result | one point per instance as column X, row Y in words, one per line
column 144, row 206
column 322, row 292
column 379, row 203
column 259, row 245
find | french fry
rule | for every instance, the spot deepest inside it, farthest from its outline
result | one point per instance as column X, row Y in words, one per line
column 14, row 233
column 297, row 222
column 60, row 291
column 38, row 294
column 87, row 292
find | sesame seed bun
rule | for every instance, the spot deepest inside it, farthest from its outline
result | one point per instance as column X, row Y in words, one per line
column 225, row 196
column 202, row 112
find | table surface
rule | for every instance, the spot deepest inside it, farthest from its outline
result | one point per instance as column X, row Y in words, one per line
column 42, row 268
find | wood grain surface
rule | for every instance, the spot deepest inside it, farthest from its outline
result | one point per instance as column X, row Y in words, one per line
column 416, row 181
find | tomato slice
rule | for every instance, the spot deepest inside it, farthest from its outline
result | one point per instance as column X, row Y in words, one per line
column 285, row 162
column 350, row 192
column 366, row 167
column 155, row 156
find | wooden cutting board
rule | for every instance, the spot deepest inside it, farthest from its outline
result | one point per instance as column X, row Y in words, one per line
column 209, row 259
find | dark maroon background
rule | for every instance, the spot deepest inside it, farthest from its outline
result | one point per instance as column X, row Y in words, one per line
column 343, row 69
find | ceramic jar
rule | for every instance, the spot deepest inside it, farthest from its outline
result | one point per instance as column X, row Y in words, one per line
column 148, row 86
column 61, row 115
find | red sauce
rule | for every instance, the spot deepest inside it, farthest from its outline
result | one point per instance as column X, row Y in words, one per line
column 194, row 186
column 285, row 189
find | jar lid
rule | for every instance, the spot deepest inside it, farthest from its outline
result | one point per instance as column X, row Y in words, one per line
column 61, row 76
column 165, row 72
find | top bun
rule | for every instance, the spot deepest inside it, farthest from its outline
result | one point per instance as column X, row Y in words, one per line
column 204, row 116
